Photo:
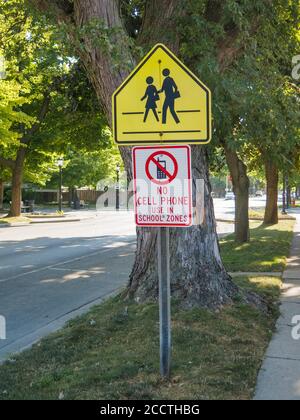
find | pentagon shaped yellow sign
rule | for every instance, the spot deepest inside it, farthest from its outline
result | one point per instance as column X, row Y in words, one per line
column 162, row 101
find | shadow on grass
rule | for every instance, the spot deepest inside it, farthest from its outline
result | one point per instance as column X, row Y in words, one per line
column 269, row 288
column 266, row 252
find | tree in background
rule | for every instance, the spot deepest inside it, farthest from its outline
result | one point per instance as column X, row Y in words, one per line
column 9, row 98
column 249, row 78
column 33, row 66
column 56, row 106
column 4, row 177
column 10, row 116
column 85, row 168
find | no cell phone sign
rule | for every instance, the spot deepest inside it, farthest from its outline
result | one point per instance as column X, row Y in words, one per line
column 158, row 167
column 163, row 186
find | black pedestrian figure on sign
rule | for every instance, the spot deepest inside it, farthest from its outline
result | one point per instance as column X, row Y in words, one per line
column 153, row 97
column 172, row 93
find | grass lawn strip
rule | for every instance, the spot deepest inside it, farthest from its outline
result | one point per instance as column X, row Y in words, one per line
column 266, row 252
column 113, row 353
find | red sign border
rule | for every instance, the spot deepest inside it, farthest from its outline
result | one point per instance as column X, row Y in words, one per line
column 189, row 155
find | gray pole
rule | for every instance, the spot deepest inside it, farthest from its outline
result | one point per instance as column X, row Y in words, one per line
column 60, row 189
column 287, row 187
column 284, row 196
column 118, row 191
column 164, row 300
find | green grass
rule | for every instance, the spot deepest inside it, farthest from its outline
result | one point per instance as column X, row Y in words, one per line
column 215, row 355
column 7, row 220
column 47, row 216
column 267, row 251
column 258, row 214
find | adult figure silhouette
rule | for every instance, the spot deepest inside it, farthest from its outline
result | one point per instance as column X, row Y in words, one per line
column 172, row 93
column 152, row 97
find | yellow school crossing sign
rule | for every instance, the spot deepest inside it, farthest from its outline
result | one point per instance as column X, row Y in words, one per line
column 162, row 101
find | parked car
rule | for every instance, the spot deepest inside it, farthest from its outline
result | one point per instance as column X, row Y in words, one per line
column 259, row 194
column 229, row 196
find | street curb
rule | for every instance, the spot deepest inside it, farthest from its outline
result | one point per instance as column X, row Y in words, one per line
column 8, row 225
column 256, row 274
column 25, row 343
column 39, row 222
column 256, row 219
column 280, row 219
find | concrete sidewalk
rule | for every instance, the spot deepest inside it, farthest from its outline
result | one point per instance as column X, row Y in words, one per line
column 279, row 378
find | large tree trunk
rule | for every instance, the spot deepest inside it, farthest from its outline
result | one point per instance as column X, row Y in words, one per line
column 241, row 184
column 198, row 275
column 17, row 178
column 1, row 193
column 288, row 194
column 272, row 177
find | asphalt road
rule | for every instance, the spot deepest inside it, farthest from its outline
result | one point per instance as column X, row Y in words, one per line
column 50, row 273
column 226, row 209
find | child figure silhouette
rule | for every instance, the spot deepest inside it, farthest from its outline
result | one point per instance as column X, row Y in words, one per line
column 152, row 97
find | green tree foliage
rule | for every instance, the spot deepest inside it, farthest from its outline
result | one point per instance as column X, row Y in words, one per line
column 255, row 100
column 10, row 100
column 86, row 169
column 256, row 104
column 48, row 105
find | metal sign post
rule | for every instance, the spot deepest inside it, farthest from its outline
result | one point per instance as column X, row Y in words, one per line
column 163, row 199
column 164, row 300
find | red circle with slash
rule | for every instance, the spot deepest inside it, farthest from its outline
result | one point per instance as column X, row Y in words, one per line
column 169, row 177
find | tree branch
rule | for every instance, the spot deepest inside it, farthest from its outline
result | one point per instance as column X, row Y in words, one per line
column 228, row 49
column 8, row 163
column 158, row 23
column 100, row 66
column 61, row 9
column 104, row 72
column 42, row 115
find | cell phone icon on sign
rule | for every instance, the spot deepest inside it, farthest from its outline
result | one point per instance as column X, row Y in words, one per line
column 161, row 174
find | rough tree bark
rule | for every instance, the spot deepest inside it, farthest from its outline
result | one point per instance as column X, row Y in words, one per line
column 198, row 275
column 289, row 195
column 17, row 178
column 17, row 165
column 241, row 184
column 1, row 193
column 8, row 164
column 229, row 49
column 272, row 177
